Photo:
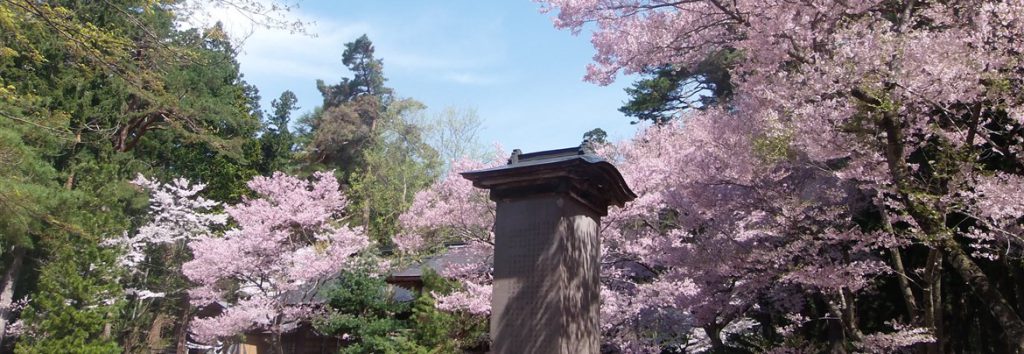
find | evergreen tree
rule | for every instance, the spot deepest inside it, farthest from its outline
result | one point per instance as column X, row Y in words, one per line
column 27, row 189
column 347, row 121
column 368, row 76
column 283, row 108
column 596, row 136
column 76, row 300
column 443, row 331
column 364, row 315
column 277, row 142
column 92, row 93
column 666, row 91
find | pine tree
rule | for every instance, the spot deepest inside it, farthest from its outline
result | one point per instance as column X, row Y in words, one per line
column 277, row 141
column 347, row 122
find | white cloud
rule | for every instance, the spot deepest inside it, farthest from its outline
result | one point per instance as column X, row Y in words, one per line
column 472, row 79
column 280, row 52
column 418, row 47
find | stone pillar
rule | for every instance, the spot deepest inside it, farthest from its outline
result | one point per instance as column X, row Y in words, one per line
column 546, row 254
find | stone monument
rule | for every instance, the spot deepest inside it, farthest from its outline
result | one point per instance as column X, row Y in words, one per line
column 546, row 254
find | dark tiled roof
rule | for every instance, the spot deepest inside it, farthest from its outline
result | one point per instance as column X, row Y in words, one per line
column 455, row 255
column 577, row 172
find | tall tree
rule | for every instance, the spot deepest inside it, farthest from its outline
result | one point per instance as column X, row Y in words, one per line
column 368, row 137
column 347, row 121
column 91, row 94
column 396, row 165
column 277, row 141
column 28, row 185
column 367, row 76
column 905, row 104
column 283, row 108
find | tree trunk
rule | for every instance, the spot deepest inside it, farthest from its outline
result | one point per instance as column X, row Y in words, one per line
column 155, row 335
column 934, row 228
column 908, row 293
column 982, row 287
column 70, row 181
column 7, row 293
column 183, row 329
column 839, row 329
column 367, row 198
column 1016, row 281
column 897, row 264
column 850, row 315
column 714, row 332
column 405, row 187
column 367, row 201
column 107, row 328
column 933, row 314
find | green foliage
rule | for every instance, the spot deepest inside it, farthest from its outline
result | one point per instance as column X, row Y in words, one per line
column 283, row 108
column 76, row 299
column 668, row 90
column 364, row 314
column 340, row 134
column 92, row 93
column 368, row 78
column 454, row 133
column 26, row 189
column 396, row 165
column 596, row 136
column 347, row 122
column 440, row 331
column 376, row 144
column 277, row 142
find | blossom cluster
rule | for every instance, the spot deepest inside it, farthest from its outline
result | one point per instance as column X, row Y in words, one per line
column 452, row 211
column 286, row 241
column 836, row 111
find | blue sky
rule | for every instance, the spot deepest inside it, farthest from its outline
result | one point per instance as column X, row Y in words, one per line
column 503, row 58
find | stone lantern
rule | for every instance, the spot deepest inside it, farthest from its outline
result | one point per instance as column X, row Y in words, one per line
column 546, row 254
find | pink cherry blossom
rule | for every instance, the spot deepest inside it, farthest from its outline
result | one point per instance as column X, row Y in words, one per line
column 834, row 102
column 289, row 239
column 453, row 211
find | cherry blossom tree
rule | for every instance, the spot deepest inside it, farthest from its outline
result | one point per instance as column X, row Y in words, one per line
column 857, row 134
column 151, row 257
column 722, row 231
column 453, row 211
column 287, row 240
column 179, row 215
